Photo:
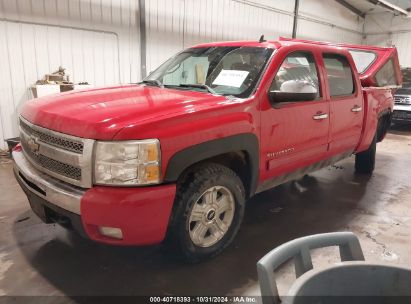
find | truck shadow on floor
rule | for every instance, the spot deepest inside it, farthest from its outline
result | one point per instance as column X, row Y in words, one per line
column 324, row 202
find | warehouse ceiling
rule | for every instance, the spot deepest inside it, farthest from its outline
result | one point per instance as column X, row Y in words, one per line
column 362, row 7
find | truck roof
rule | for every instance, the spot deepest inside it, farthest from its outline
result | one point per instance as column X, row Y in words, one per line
column 272, row 45
column 283, row 41
column 345, row 45
column 266, row 44
column 276, row 45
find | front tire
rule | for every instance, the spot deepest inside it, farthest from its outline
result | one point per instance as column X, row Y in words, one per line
column 365, row 161
column 208, row 212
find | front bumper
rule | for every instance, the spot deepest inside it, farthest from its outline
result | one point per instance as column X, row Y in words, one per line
column 141, row 213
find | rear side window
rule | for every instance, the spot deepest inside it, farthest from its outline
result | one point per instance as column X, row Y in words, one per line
column 386, row 75
column 362, row 59
column 340, row 76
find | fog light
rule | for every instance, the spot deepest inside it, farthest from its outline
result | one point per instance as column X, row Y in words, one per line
column 111, row 232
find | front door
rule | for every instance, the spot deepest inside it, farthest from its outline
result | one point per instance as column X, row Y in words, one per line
column 295, row 133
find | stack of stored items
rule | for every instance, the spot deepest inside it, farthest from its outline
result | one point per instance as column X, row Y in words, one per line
column 55, row 82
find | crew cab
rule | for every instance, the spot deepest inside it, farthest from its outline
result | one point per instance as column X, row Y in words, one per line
column 175, row 157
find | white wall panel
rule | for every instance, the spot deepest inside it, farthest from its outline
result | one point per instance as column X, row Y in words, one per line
column 175, row 24
column 95, row 40
column 328, row 21
column 6, row 87
column 401, row 40
column 323, row 32
column 384, row 30
column 403, row 43
column 30, row 51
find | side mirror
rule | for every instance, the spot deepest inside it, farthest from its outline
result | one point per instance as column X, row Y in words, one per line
column 294, row 91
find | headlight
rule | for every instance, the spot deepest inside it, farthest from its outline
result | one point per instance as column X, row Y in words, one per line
column 126, row 163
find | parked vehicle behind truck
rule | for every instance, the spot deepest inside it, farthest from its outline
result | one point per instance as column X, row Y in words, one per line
column 175, row 157
column 402, row 106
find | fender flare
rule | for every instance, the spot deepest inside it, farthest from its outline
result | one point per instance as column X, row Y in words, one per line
column 247, row 142
column 386, row 111
column 383, row 128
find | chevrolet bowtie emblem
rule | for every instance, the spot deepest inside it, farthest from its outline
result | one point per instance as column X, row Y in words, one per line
column 33, row 145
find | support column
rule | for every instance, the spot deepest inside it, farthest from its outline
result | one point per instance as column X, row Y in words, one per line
column 143, row 38
column 296, row 9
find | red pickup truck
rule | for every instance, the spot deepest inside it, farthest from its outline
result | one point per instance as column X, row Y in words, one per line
column 175, row 157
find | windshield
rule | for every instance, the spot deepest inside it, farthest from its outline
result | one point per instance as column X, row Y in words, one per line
column 220, row 70
column 362, row 59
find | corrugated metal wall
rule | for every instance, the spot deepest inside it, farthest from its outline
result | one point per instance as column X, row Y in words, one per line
column 329, row 21
column 385, row 29
column 95, row 40
column 98, row 40
column 176, row 24
column 401, row 40
column 182, row 23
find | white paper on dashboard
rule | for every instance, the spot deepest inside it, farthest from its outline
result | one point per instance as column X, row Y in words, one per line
column 231, row 78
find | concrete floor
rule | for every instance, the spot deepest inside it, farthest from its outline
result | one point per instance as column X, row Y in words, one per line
column 39, row 259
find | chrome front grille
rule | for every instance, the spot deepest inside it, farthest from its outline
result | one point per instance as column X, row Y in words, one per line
column 55, row 140
column 63, row 156
column 399, row 99
column 51, row 164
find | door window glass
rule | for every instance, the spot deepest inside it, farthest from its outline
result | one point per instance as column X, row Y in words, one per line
column 299, row 70
column 340, row 76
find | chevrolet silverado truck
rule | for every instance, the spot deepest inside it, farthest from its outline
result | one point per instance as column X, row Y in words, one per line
column 174, row 158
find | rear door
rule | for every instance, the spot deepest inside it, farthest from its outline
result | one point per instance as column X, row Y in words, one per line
column 346, row 102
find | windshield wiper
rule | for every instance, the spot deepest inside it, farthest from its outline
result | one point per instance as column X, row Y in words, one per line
column 199, row 86
column 155, row 82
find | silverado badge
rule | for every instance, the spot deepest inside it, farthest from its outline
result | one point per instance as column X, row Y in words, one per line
column 33, row 145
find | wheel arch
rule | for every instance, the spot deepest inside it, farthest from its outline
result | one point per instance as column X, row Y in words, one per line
column 384, row 122
column 241, row 146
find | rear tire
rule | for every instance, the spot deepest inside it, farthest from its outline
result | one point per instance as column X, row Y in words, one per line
column 207, row 213
column 365, row 161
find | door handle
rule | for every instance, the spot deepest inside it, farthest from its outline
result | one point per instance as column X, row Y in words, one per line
column 356, row 109
column 320, row 116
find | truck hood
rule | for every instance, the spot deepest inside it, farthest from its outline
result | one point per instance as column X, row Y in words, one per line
column 101, row 113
